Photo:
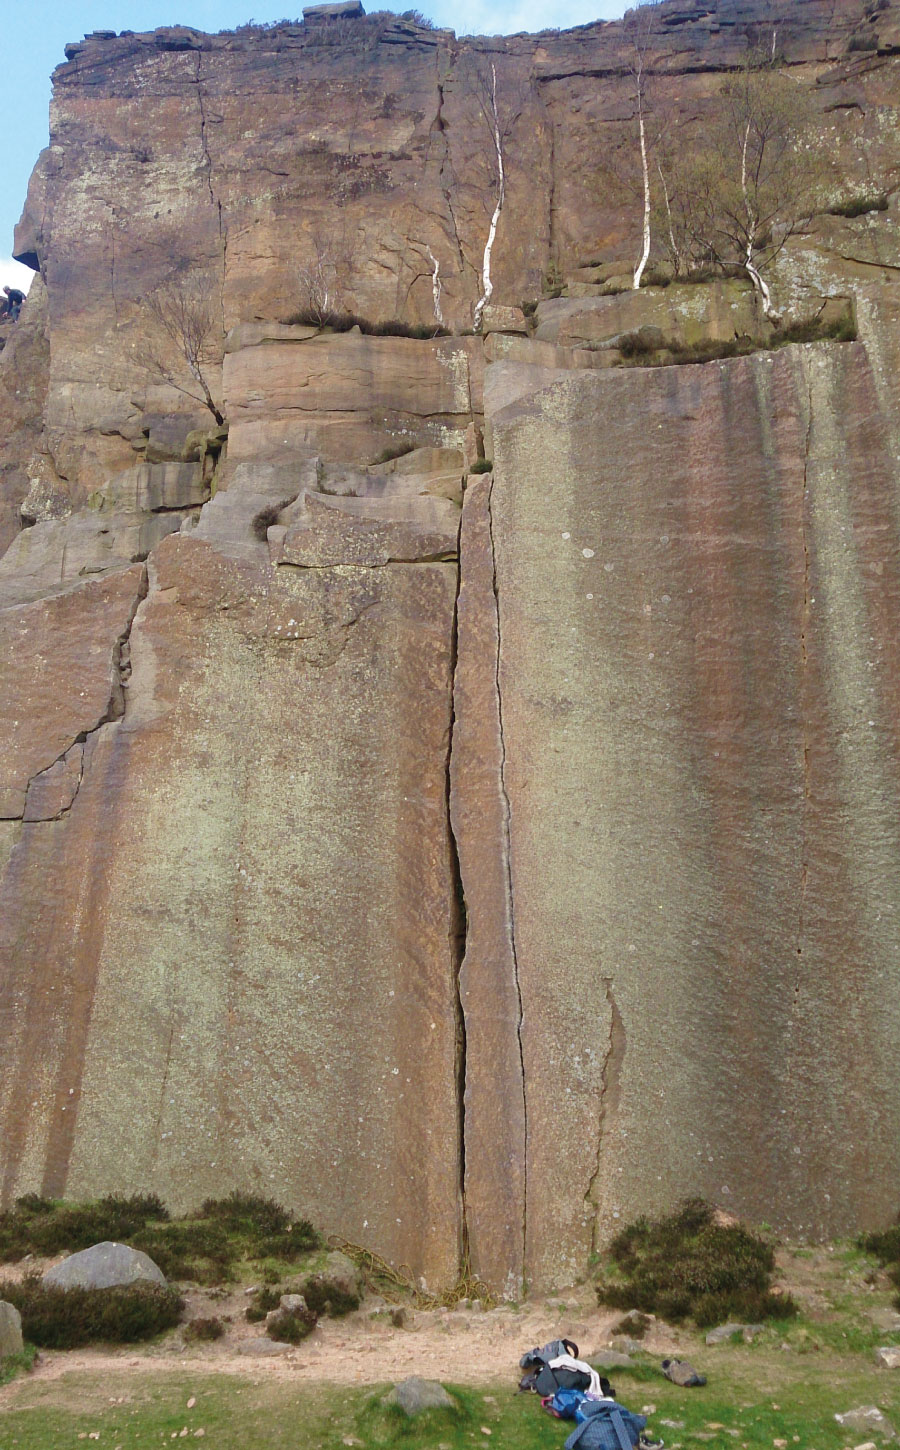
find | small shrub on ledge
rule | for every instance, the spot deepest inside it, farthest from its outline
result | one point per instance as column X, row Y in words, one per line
column 855, row 206
column 646, row 348
column 346, row 321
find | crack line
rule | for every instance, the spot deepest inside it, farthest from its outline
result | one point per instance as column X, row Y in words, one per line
column 507, row 818
column 610, row 1090
column 458, row 934
column 804, row 666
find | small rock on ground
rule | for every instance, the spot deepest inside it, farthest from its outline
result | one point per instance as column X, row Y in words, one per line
column 264, row 1346
column 414, row 1395
column 866, row 1417
column 888, row 1357
column 104, row 1266
column 723, row 1332
column 610, row 1359
column 293, row 1303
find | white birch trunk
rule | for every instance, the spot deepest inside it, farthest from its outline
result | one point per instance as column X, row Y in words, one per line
column 436, row 287
column 639, row 269
column 487, row 285
column 760, row 285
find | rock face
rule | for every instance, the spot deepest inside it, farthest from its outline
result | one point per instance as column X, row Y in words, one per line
column 104, row 1266
column 469, row 860
column 699, row 752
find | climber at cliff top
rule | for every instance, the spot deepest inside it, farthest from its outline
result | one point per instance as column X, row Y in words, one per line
column 11, row 304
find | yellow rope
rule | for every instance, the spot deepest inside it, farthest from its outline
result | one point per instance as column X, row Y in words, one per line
column 398, row 1284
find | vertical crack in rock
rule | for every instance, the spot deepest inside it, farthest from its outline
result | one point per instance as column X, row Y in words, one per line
column 445, row 171
column 458, row 927
column 552, row 205
column 122, row 656
column 804, row 682
column 610, row 1095
column 112, row 270
column 207, row 160
column 204, row 145
column 506, row 826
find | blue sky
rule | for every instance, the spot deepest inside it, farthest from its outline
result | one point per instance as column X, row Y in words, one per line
column 33, row 46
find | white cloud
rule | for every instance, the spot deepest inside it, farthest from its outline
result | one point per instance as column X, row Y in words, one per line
column 13, row 274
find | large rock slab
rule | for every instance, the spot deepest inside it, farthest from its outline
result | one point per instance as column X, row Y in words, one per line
column 104, row 1266
column 700, row 695
column 265, row 833
column 494, row 1089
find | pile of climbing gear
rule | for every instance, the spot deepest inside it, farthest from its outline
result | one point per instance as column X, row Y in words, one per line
column 571, row 1389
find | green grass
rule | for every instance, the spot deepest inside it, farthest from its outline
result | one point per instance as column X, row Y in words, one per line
column 16, row 1364
column 762, row 1395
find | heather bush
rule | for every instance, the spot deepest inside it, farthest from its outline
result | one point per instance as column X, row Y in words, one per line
column 57, row 1318
column 686, row 1265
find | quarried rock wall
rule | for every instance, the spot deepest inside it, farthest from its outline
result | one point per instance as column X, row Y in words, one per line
column 471, row 851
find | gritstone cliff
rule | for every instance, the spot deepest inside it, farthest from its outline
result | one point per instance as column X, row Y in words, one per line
column 468, row 859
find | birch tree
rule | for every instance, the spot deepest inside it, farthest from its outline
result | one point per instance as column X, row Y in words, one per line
column 638, row 27
column 500, row 115
column 492, row 116
column 753, row 180
column 186, row 338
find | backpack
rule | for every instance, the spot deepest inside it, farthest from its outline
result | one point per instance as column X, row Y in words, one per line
column 541, row 1378
column 564, row 1405
column 604, row 1425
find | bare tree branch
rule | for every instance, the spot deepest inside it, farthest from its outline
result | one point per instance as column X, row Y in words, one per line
column 186, row 319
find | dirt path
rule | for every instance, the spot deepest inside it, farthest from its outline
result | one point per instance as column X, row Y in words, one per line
column 467, row 1345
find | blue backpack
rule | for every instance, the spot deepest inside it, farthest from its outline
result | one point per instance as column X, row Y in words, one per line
column 604, row 1425
column 564, row 1404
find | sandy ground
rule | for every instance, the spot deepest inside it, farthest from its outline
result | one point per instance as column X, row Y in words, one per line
column 468, row 1345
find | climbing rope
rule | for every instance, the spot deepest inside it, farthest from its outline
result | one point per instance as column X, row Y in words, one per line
column 397, row 1285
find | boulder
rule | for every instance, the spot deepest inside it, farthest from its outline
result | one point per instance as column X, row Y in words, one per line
column 415, row 1395
column 292, row 1304
column 624, row 1344
column 610, row 1359
column 888, row 1356
column 105, row 1266
column 10, row 1331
